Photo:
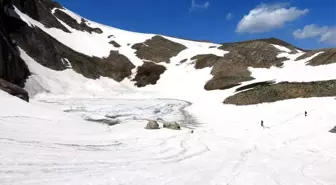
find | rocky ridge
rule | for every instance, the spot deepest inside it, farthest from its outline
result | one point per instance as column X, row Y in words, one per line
column 228, row 71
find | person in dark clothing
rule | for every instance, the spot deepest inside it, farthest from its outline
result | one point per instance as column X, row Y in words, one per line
column 306, row 113
column 262, row 124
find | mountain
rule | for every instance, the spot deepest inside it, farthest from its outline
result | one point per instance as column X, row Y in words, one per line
column 59, row 39
column 252, row 112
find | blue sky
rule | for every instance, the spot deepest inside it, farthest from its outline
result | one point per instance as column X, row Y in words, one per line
column 304, row 23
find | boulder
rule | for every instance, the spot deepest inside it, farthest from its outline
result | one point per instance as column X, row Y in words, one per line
column 152, row 125
column 14, row 90
column 333, row 130
column 173, row 126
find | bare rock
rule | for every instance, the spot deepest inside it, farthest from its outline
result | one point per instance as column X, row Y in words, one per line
column 12, row 68
column 232, row 69
column 14, row 90
column 152, row 125
column 172, row 126
column 327, row 57
column 115, row 44
column 268, row 92
column 203, row 61
column 74, row 24
column 148, row 73
column 158, row 49
column 333, row 130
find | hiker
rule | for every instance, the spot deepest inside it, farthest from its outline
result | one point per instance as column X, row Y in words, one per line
column 192, row 131
column 306, row 113
column 262, row 123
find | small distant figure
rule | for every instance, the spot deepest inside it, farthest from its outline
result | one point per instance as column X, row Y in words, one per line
column 306, row 113
column 192, row 131
column 262, row 124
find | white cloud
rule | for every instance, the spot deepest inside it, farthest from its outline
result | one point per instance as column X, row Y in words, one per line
column 268, row 17
column 229, row 16
column 325, row 33
column 195, row 5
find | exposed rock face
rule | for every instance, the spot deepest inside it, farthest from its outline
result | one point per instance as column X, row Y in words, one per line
column 157, row 49
column 40, row 10
column 333, row 130
column 172, row 126
column 203, row 61
column 327, row 57
column 74, row 24
column 49, row 52
column 14, row 90
column 183, row 61
column 148, row 73
column 115, row 44
column 232, row 69
column 283, row 91
column 109, row 122
column 253, row 85
column 225, row 82
column 152, row 125
column 46, row 50
column 12, row 68
column 228, row 46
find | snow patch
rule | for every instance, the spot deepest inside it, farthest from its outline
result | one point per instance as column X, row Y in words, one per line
column 282, row 48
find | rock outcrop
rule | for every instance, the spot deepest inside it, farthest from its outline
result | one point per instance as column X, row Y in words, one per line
column 50, row 53
column 148, row 73
column 333, row 130
column 74, row 24
column 14, row 90
column 172, row 126
column 158, row 49
column 328, row 56
column 40, row 10
column 283, row 91
column 232, row 69
column 115, row 44
column 12, row 68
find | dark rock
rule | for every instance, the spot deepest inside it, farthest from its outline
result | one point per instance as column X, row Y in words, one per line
column 333, row 130
column 152, row 125
column 148, row 73
column 14, row 90
column 49, row 52
column 283, row 91
column 225, row 82
column 110, row 36
column 253, row 85
column 157, row 49
column 183, row 61
column 232, row 69
column 12, row 68
column 203, row 61
column 40, row 10
column 115, row 44
column 327, row 57
column 74, row 24
column 109, row 122
column 229, row 46
column 172, row 126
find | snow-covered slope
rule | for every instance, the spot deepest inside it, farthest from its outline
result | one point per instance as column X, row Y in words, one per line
column 58, row 137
